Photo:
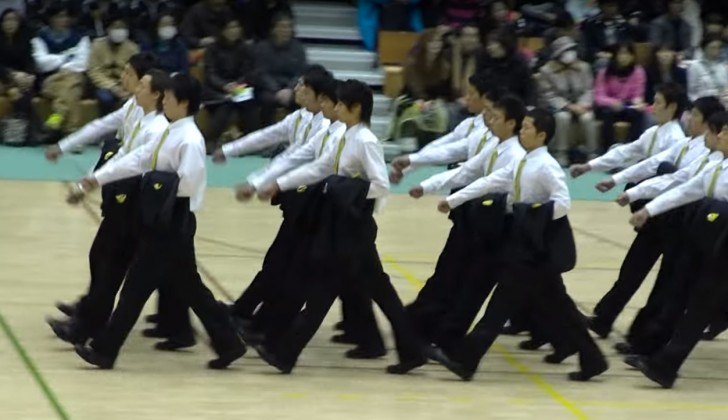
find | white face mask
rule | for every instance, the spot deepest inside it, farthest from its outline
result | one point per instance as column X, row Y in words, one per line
column 568, row 57
column 118, row 35
column 167, row 32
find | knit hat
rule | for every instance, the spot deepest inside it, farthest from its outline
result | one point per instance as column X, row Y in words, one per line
column 561, row 45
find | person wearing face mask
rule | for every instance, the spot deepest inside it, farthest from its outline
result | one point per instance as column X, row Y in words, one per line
column 565, row 85
column 106, row 62
column 167, row 44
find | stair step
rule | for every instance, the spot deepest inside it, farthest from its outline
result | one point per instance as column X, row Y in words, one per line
column 381, row 105
column 331, row 21
column 379, row 127
column 356, row 60
column 312, row 8
column 312, row 31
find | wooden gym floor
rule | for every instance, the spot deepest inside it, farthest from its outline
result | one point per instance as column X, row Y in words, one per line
column 44, row 253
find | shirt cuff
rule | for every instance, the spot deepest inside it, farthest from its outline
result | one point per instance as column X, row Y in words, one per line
column 103, row 175
column 285, row 184
column 228, row 150
column 653, row 209
column 65, row 144
column 414, row 158
column 455, row 200
column 619, row 179
column 428, row 187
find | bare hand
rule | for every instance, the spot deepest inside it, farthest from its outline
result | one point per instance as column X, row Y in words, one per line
column 244, row 192
column 268, row 192
column 219, row 157
column 395, row 177
column 443, row 207
column 577, row 109
column 401, row 163
column 53, row 152
column 579, row 169
column 639, row 218
column 623, row 199
column 416, row 192
column 88, row 184
column 605, row 185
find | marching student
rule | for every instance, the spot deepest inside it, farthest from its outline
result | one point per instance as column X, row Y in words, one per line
column 646, row 246
column 119, row 208
column 343, row 248
column 172, row 188
column 540, row 246
column 452, row 147
column 450, row 312
column 296, row 129
column 710, row 291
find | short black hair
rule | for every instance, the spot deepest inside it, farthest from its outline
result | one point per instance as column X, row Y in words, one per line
column 485, row 87
column 673, row 94
column 718, row 121
column 160, row 82
column 709, row 39
column 354, row 92
column 315, row 76
column 143, row 62
column 544, row 122
column 114, row 17
column 513, row 109
column 708, row 105
column 186, row 88
column 330, row 90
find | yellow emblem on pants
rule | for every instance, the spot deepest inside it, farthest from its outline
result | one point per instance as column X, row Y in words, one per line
column 157, row 186
column 302, row 188
column 108, row 155
column 535, row 205
column 488, row 202
column 120, row 198
column 712, row 216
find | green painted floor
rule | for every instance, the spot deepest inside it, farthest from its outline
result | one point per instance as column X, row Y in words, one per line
column 29, row 164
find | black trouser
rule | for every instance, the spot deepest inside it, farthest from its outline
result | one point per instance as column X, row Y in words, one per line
column 608, row 117
column 543, row 289
column 166, row 258
column 325, row 286
column 707, row 299
column 642, row 255
column 244, row 114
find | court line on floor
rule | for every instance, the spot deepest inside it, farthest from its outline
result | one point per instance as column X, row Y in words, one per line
column 33, row 369
column 510, row 358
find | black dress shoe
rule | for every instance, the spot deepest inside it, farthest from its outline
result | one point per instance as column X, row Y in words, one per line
column 251, row 337
column 587, row 374
column 601, row 330
column 666, row 381
column 152, row 319
column 714, row 330
column 225, row 359
column 453, row 366
column 557, row 357
column 68, row 309
column 67, row 331
column 406, row 366
column 93, row 358
column 623, row 348
column 364, row 353
column 343, row 339
column 173, row 344
column 531, row 344
column 633, row 360
column 154, row 333
column 273, row 360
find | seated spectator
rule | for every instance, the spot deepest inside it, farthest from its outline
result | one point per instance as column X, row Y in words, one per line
column 538, row 16
column 505, row 67
column 228, row 65
column 61, row 55
column 106, row 62
column 257, row 15
column 581, row 10
column 664, row 68
column 203, row 21
column 16, row 65
column 497, row 15
column 714, row 28
column 167, row 45
column 96, row 13
column 566, row 88
column 280, row 60
column 709, row 76
column 619, row 94
column 564, row 26
column 386, row 15
column 459, row 13
column 603, row 32
column 464, row 45
column 145, row 15
column 672, row 30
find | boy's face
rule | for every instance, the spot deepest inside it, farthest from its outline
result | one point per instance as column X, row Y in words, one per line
column 129, row 78
column 711, row 140
column 173, row 108
column 501, row 127
column 662, row 112
column 348, row 115
column 328, row 107
column 307, row 98
column 723, row 140
column 143, row 93
column 696, row 125
column 473, row 101
column 530, row 137
column 487, row 110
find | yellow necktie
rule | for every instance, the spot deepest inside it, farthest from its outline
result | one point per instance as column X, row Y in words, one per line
column 491, row 163
column 323, row 143
column 517, row 183
column 681, row 155
column 155, row 155
column 342, row 143
column 702, row 164
column 470, row 129
column 482, row 143
column 652, row 143
column 295, row 126
column 306, row 131
column 714, row 180
column 134, row 135
column 120, row 130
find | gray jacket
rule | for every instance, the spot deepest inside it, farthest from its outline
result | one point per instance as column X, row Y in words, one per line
column 560, row 86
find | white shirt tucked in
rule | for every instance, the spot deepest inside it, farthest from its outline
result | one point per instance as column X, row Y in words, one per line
column 681, row 154
column 182, row 151
column 122, row 121
column 460, row 144
column 541, row 179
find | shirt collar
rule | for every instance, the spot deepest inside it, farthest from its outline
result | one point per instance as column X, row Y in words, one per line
column 507, row 144
column 539, row 151
column 183, row 122
column 335, row 126
column 354, row 129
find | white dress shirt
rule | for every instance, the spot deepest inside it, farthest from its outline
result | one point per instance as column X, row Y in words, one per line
column 653, row 187
column 541, row 180
column 295, row 130
column 147, row 129
column 316, row 147
column 361, row 156
column 693, row 190
column 122, row 121
column 181, row 151
column 461, row 144
column 653, row 141
column 74, row 59
column 681, row 155
column 494, row 156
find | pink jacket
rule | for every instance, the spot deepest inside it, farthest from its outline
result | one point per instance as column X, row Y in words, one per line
column 609, row 90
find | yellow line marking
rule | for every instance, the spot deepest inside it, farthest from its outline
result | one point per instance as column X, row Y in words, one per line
column 638, row 405
column 294, row 395
column 507, row 355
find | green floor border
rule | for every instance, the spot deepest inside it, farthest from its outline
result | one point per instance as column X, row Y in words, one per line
column 30, row 365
